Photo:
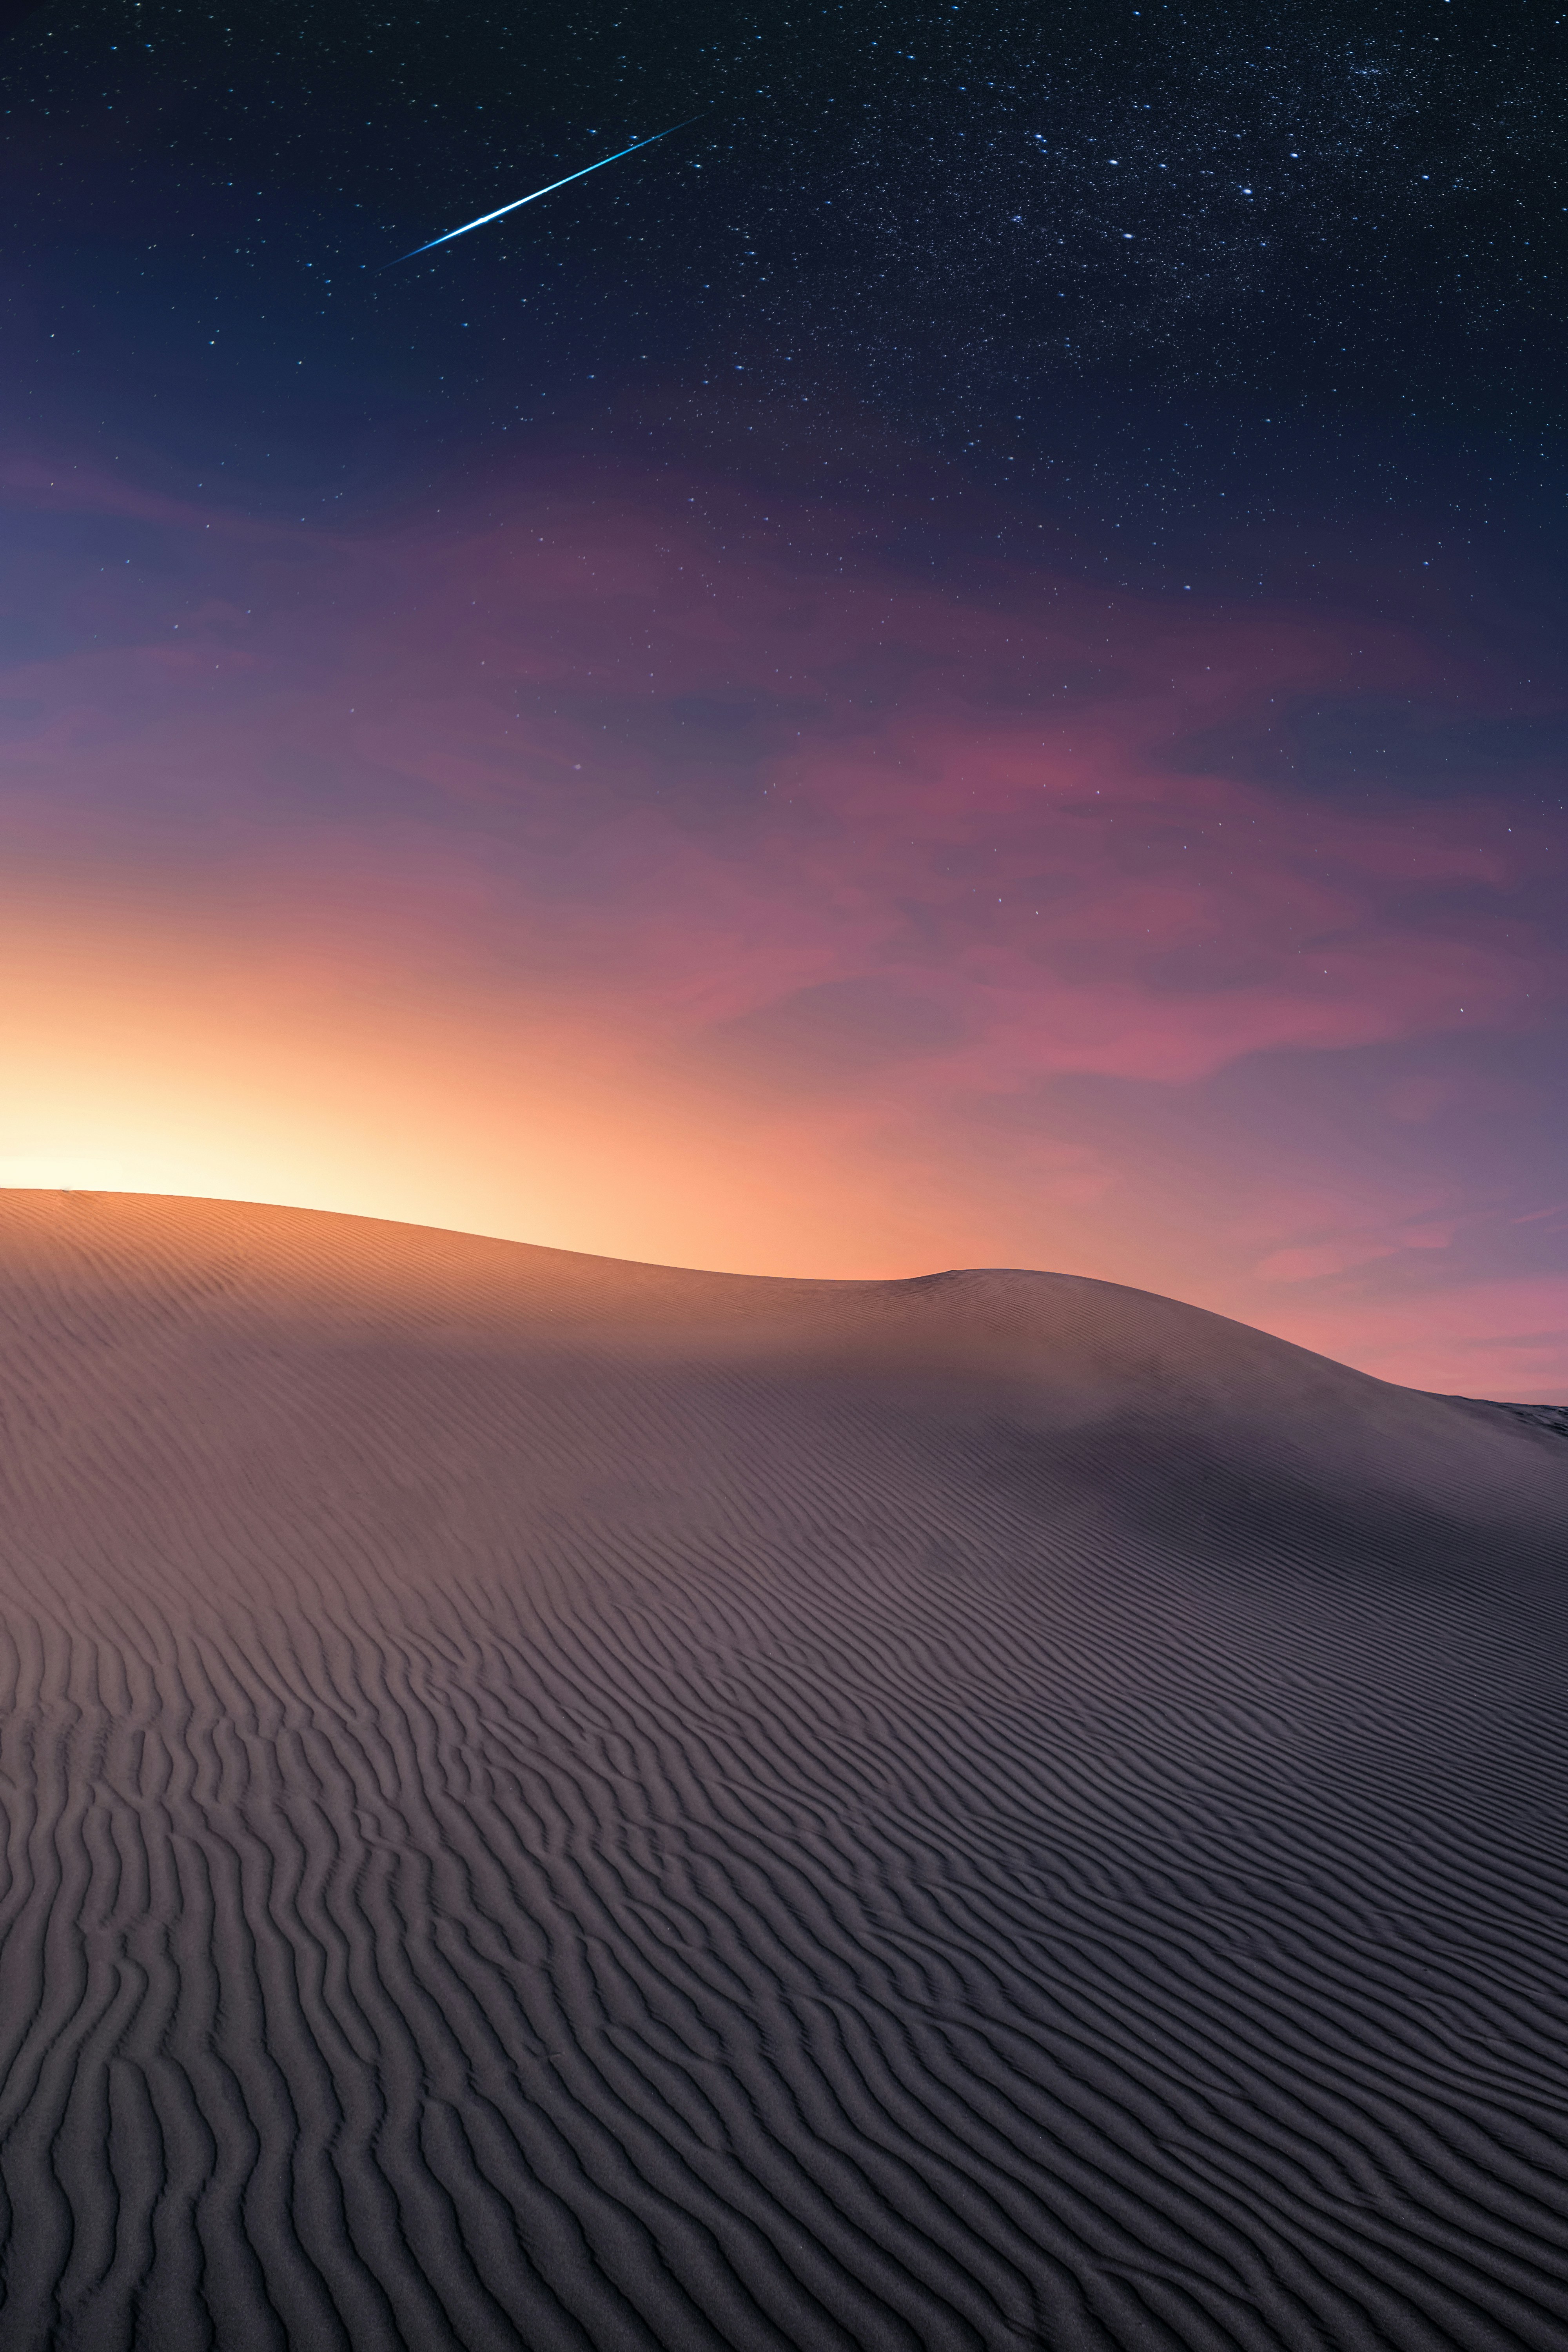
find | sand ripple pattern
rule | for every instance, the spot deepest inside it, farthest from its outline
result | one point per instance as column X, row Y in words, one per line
column 564, row 1805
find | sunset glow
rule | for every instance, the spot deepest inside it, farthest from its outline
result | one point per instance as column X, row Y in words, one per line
column 614, row 873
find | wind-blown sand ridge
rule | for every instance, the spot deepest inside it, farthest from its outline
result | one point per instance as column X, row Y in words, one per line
column 557, row 1803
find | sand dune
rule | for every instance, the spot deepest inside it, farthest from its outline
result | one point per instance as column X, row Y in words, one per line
column 564, row 1805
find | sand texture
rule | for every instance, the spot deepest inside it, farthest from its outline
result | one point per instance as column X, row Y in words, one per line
column 559, row 1804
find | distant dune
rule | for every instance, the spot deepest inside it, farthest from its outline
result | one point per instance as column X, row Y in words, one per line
column 571, row 1805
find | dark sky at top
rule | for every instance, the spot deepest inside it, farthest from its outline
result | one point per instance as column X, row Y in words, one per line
column 1164, row 268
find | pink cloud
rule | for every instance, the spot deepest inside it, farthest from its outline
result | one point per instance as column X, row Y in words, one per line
column 1312, row 1262
column 848, row 853
column 1506, row 1339
column 461, row 720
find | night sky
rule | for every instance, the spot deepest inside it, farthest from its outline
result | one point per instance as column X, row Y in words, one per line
column 961, row 662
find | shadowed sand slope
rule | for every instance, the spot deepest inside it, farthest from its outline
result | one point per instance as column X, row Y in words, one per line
column 551, row 1803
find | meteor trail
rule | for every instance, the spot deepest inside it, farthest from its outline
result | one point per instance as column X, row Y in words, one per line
column 533, row 199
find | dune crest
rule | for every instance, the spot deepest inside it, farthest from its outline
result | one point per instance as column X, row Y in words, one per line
column 558, row 1803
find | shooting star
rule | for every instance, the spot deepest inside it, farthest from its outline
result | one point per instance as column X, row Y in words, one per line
column 485, row 218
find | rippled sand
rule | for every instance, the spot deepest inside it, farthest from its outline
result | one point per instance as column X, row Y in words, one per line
column 556, row 1803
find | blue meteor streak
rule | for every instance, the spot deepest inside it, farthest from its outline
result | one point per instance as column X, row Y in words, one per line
column 533, row 199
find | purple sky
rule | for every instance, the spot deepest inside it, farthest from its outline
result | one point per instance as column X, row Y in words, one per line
column 675, row 869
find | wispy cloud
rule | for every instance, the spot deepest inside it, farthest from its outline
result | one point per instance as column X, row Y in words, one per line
column 835, row 856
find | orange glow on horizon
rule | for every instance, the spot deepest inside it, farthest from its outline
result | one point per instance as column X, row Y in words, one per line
column 166, row 1066
column 232, row 1073
column 576, row 871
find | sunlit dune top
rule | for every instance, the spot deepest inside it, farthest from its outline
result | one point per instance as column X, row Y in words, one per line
column 251, row 1372
column 308, row 1262
column 223, row 1260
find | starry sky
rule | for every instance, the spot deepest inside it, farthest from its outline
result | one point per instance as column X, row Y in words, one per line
column 959, row 662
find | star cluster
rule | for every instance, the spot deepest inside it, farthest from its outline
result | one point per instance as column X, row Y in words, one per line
column 968, row 220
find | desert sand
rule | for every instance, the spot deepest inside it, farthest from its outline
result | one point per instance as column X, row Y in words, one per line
column 558, row 1803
